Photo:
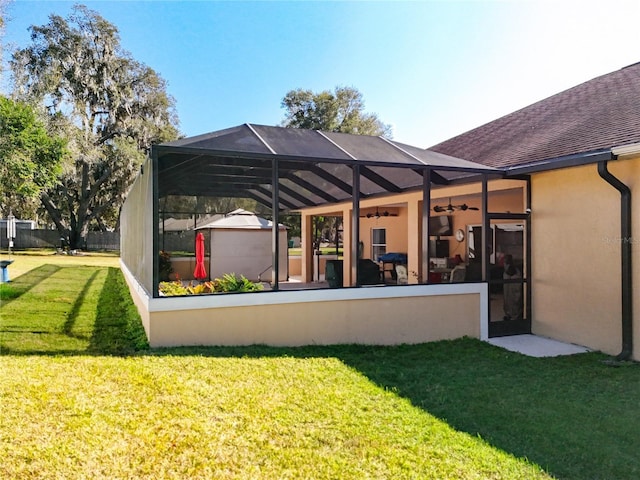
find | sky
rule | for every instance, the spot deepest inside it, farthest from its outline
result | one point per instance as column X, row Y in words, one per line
column 430, row 69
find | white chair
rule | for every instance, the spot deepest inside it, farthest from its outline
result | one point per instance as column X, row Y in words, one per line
column 402, row 276
column 458, row 274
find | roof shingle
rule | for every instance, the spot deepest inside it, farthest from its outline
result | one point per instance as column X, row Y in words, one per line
column 598, row 114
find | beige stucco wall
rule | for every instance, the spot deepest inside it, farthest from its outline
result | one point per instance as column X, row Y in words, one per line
column 576, row 255
column 183, row 267
column 139, row 296
column 295, row 265
column 375, row 315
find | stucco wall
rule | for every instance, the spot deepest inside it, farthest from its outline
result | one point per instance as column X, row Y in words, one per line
column 376, row 315
column 139, row 296
column 183, row 267
column 576, row 255
column 295, row 265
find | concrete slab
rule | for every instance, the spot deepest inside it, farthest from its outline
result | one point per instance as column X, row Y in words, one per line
column 535, row 346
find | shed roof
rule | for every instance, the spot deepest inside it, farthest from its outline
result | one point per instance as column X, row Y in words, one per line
column 241, row 219
column 594, row 116
column 314, row 166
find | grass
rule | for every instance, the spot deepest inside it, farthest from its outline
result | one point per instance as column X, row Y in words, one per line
column 83, row 397
column 24, row 261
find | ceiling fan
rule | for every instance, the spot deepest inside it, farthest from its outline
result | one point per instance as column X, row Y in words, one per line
column 379, row 214
column 451, row 208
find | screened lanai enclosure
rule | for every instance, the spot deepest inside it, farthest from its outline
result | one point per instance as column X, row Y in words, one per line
column 314, row 173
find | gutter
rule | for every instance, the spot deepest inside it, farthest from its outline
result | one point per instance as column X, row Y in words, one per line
column 626, row 253
column 573, row 160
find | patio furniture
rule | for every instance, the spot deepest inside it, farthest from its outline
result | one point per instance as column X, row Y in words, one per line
column 402, row 275
column 392, row 258
column 458, row 274
column 369, row 272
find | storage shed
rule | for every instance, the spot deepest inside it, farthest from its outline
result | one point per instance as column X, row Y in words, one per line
column 241, row 244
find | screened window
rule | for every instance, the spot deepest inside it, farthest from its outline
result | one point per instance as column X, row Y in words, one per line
column 378, row 242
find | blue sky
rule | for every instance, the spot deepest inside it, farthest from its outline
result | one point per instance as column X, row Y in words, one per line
column 431, row 69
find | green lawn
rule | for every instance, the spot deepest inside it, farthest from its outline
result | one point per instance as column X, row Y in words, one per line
column 82, row 396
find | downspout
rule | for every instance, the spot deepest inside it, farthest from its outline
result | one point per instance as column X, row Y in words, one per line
column 625, row 246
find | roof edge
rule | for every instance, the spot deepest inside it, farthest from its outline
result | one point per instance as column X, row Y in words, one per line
column 573, row 160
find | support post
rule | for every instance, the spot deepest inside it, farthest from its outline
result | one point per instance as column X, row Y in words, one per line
column 355, row 225
column 275, row 213
column 426, row 215
column 306, row 232
column 486, row 229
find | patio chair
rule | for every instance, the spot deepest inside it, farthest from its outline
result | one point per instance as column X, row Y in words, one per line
column 458, row 274
column 402, row 276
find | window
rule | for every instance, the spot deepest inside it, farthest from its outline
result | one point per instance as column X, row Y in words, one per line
column 378, row 242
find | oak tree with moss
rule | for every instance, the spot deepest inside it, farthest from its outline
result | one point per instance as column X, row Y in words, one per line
column 110, row 107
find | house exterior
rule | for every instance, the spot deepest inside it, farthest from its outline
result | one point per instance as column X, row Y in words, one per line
column 585, row 266
column 549, row 188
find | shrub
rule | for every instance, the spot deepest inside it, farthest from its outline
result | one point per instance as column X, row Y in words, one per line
column 165, row 268
column 229, row 283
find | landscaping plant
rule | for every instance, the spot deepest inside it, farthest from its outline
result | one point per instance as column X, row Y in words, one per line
column 229, row 283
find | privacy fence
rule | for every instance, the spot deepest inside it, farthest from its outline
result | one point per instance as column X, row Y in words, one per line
column 51, row 239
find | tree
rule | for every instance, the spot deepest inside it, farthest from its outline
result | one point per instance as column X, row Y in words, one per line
column 340, row 111
column 3, row 8
column 110, row 107
column 30, row 159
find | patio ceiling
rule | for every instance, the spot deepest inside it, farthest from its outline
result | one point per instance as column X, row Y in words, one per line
column 314, row 167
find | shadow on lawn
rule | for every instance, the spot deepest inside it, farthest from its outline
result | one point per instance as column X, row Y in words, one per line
column 116, row 329
column 574, row 416
column 25, row 282
column 72, row 316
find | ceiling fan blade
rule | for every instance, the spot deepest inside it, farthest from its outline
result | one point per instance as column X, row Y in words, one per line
column 464, row 207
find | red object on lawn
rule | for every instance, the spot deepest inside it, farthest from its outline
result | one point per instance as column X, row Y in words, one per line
column 200, row 273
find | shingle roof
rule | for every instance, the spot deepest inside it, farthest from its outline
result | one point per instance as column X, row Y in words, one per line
column 598, row 114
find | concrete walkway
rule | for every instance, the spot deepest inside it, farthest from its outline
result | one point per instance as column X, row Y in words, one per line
column 535, row 346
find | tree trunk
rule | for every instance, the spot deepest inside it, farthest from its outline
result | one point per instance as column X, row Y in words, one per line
column 54, row 215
